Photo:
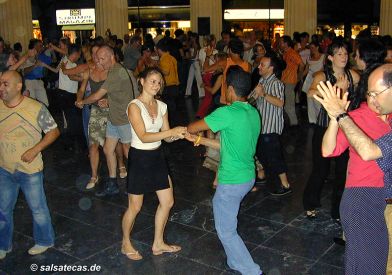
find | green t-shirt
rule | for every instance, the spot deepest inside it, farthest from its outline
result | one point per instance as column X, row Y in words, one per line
column 239, row 124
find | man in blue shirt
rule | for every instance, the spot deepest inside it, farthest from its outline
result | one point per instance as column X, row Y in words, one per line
column 34, row 74
column 380, row 80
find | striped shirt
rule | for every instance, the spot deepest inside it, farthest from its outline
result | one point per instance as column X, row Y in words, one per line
column 271, row 116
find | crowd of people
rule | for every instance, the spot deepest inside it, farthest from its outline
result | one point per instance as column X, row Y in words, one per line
column 121, row 95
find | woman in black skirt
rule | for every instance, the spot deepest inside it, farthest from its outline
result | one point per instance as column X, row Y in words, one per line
column 147, row 169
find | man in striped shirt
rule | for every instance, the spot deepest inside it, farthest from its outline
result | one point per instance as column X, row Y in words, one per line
column 270, row 101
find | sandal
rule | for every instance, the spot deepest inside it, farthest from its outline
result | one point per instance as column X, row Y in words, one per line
column 123, row 172
column 91, row 184
column 311, row 214
column 134, row 256
column 173, row 249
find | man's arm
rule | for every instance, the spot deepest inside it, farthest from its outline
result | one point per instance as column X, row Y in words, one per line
column 48, row 139
column 93, row 97
column 335, row 105
column 197, row 126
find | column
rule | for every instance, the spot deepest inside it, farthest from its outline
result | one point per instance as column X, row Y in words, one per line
column 207, row 8
column 111, row 15
column 300, row 16
column 16, row 23
column 386, row 17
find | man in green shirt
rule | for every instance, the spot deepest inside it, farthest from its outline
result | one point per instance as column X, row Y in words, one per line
column 239, row 125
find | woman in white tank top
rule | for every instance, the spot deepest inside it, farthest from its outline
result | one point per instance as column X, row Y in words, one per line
column 147, row 168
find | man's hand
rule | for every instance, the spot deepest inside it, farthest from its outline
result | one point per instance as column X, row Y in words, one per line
column 259, row 91
column 29, row 155
column 103, row 103
column 79, row 104
column 331, row 99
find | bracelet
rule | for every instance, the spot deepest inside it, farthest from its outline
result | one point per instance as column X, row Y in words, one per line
column 341, row 116
column 197, row 140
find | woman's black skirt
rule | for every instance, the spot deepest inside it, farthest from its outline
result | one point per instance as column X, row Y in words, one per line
column 147, row 171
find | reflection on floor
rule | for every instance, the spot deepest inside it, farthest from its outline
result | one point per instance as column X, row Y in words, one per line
column 88, row 229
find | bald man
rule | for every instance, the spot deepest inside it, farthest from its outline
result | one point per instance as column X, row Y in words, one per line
column 380, row 91
column 22, row 121
column 121, row 88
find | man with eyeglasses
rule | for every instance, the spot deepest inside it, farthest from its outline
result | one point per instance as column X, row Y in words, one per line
column 380, row 87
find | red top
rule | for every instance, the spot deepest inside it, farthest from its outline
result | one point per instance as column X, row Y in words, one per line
column 362, row 173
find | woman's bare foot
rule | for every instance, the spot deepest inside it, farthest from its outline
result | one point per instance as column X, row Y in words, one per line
column 165, row 248
column 130, row 252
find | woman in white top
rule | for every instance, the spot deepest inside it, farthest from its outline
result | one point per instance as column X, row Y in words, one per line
column 147, row 168
column 314, row 64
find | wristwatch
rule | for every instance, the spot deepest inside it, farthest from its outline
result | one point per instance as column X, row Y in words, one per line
column 340, row 116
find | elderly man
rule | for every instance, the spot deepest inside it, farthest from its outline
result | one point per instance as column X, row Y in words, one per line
column 22, row 120
column 121, row 88
column 380, row 83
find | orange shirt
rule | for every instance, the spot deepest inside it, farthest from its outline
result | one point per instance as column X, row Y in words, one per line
column 243, row 64
column 293, row 60
column 168, row 64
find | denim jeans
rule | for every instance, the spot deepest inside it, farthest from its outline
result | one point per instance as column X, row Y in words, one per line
column 32, row 188
column 226, row 204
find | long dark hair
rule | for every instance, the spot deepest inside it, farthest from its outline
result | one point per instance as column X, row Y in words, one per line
column 373, row 53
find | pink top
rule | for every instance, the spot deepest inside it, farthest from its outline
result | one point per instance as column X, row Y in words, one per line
column 362, row 173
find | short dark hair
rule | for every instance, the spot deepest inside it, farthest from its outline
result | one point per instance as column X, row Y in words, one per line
column 278, row 64
column 73, row 48
column 372, row 51
column 33, row 42
column 162, row 45
column 387, row 77
column 287, row 39
column 239, row 80
column 236, row 46
column 17, row 47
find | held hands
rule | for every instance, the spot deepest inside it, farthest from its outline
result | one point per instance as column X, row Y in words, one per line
column 29, row 155
column 178, row 133
column 331, row 99
column 79, row 104
column 193, row 138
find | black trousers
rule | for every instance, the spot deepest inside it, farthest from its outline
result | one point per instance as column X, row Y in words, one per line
column 73, row 115
column 319, row 174
column 269, row 152
column 169, row 96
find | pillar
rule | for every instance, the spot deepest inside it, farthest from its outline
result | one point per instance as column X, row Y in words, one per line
column 111, row 15
column 207, row 8
column 16, row 23
column 300, row 16
column 386, row 17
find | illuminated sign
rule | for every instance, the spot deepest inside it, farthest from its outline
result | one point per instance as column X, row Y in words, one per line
column 244, row 14
column 75, row 17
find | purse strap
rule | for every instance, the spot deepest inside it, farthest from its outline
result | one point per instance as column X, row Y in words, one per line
column 130, row 79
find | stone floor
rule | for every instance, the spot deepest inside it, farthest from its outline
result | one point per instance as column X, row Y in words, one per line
column 88, row 229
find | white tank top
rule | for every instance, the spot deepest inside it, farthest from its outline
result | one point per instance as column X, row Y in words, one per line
column 151, row 125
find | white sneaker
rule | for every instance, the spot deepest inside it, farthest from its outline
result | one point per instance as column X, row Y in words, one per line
column 3, row 253
column 38, row 249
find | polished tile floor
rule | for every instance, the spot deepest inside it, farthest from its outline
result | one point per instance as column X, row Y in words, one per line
column 88, row 229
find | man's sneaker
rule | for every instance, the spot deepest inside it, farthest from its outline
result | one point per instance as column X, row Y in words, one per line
column 111, row 188
column 3, row 253
column 282, row 191
column 38, row 249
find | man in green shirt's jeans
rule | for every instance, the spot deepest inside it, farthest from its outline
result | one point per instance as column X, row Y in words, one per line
column 239, row 125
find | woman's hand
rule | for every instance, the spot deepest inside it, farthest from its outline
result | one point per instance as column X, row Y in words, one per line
column 103, row 103
column 192, row 138
column 178, row 132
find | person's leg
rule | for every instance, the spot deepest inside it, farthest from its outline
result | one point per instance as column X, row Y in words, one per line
column 388, row 220
column 205, row 105
column 109, row 148
column 189, row 84
column 289, row 104
column 8, row 196
column 166, row 202
column 199, row 80
column 94, row 162
column 319, row 172
column 33, row 190
column 135, row 203
column 226, row 204
column 85, row 120
column 339, row 183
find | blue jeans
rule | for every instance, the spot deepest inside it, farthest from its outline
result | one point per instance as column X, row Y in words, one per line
column 32, row 188
column 226, row 204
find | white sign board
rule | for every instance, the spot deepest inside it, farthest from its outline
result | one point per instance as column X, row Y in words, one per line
column 244, row 14
column 75, row 17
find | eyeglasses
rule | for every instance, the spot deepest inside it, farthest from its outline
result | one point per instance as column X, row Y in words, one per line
column 375, row 94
